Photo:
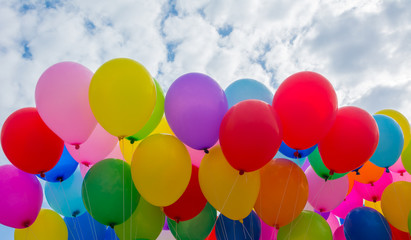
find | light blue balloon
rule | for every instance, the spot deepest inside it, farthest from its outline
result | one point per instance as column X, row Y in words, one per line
column 245, row 89
column 390, row 142
column 84, row 227
column 65, row 197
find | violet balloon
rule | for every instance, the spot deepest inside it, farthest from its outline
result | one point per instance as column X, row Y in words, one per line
column 194, row 106
column 21, row 197
column 351, row 201
column 373, row 191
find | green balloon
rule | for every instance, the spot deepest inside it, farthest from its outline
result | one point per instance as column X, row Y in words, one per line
column 197, row 228
column 319, row 168
column 308, row 225
column 155, row 118
column 108, row 192
column 406, row 158
column 146, row 222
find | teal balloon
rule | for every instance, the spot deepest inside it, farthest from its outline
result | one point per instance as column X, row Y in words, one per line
column 65, row 197
column 197, row 228
column 390, row 142
column 245, row 89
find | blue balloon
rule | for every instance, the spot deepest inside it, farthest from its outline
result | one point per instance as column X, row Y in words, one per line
column 64, row 168
column 110, row 234
column 295, row 154
column 65, row 197
column 390, row 142
column 250, row 229
column 245, row 89
column 84, row 227
column 365, row 223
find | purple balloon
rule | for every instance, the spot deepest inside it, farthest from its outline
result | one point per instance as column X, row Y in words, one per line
column 21, row 197
column 165, row 227
column 194, row 106
column 325, row 215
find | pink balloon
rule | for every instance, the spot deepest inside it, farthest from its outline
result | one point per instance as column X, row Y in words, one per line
column 339, row 233
column 195, row 155
column 373, row 191
column 396, row 177
column 333, row 222
column 267, row 232
column 21, row 197
column 353, row 200
column 116, row 153
column 398, row 167
column 323, row 195
column 95, row 148
column 84, row 169
column 62, row 101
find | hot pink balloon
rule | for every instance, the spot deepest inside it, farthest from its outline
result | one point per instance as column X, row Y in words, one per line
column 62, row 101
column 339, row 233
column 396, row 177
column 324, row 196
column 267, row 232
column 21, row 197
column 373, row 191
column 95, row 148
column 353, row 200
column 333, row 222
column 398, row 167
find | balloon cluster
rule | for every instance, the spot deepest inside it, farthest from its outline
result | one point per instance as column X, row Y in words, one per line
column 207, row 163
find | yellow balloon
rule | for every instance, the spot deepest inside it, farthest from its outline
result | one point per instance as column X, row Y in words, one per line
column 232, row 194
column 48, row 225
column 122, row 96
column 402, row 121
column 374, row 205
column 161, row 169
column 396, row 204
column 163, row 127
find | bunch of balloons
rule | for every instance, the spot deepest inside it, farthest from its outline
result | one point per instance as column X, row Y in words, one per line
column 123, row 160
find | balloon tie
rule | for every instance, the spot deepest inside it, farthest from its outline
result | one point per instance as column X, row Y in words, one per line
column 372, row 184
column 374, row 199
column 177, row 220
column 26, row 224
column 277, row 227
column 206, row 151
column 241, row 172
column 60, row 179
column 75, row 213
column 77, row 146
column 297, row 154
column 132, row 141
column 42, row 175
column 111, row 225
column 387, row 170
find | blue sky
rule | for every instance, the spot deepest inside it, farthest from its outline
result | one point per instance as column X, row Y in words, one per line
column 361, row 46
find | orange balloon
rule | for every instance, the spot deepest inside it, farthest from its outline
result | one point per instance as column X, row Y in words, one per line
column 369, row 173
column 351, row 178
column 283, row 192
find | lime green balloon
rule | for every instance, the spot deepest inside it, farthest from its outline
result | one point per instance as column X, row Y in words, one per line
column 146, row 222
column 108, row 192
column 406, row 158
column 319, row 168
column 197, row 228
column 155, row 118
column 409, row 222
column 308, row 225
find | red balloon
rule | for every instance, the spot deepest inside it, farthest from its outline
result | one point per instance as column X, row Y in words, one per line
column 351, row 141
column 250, row 135
column 212, row 235
column 307, row 105
column 28, row 143
column 191, row 203
column 398, row 234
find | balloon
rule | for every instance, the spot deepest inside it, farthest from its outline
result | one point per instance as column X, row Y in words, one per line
column 194, row 106
column 351, row 141
column 339, row 233
column 161, row 169
column 320, row 169
column 245, row 89
column 28, row 143
column 292, row 153
column 108, row 192
column 333, row 222
column 21, row 197
column 65, row 197
column 191, row 203
column 396, row 204
column 398, row 167
column 308, row 225
column 84, row 227
column 396, row 177
column 62, row 101
column 95, row 148
column 227, row 229
column 373, row 191
column 48, row 225
column 212, row 235
column 406, row 158
column 369, row 173
column 283, row 192
column 227, row 191
column 84, row 169
column 122, row 96
column 267, row 232
column 402, row 121
column 390, row 142
column 146, row 222
column 365, row 223
column 110, row 234
column 351, row 201
column 324, row 196
column 197, row 228
column 250, row 135
column 307, row 106
column 64, row 168
column 399, row 235
column 155, row 118
column 325, row 215
column 373, row 205
column 116, row 153
column 196, row 156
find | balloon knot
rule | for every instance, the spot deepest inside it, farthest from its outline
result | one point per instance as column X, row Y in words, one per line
column 374, row 199
column 75, row 213
column 326, row 178
column 357, row 172
column 241, row 221
column 241, row 172
column 177, row 220
column 206, row 151
column 277, row 227
column 60, row 179
column 77, row 146
column 297, row 154
column 26, row 224
column 86, row 164
column 401, row 174
column 42, row 175
column 372, row 184
column 321, row 210
column 120, row 138
column 111, row 225
column 331, row 172
column 387, row 170
column 132, row 141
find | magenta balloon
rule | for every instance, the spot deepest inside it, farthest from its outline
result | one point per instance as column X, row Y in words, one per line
column 324, row 196
column 333, row 222
column 339, row 233
column 62, row 101
column 267, row 232
column 373, row 192
column 351, row 201
column 398, row 167
column 194, row 106
column 21, row 197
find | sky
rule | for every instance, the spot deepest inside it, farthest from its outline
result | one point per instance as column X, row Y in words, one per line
column 361, row 46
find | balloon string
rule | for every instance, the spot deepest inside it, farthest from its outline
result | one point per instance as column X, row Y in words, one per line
column 246, row 231
column 124, row 188
column 282, row 197
column 295, row 206
column 94, row 231
column 88, row 198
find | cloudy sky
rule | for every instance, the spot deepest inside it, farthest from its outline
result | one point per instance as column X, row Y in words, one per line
column 362, row 46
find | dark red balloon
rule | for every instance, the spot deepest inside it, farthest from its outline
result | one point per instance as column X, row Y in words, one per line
column 191, row 203
column 28, row 143
column 351, row 141
column 307, row 105
column 250, row 135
